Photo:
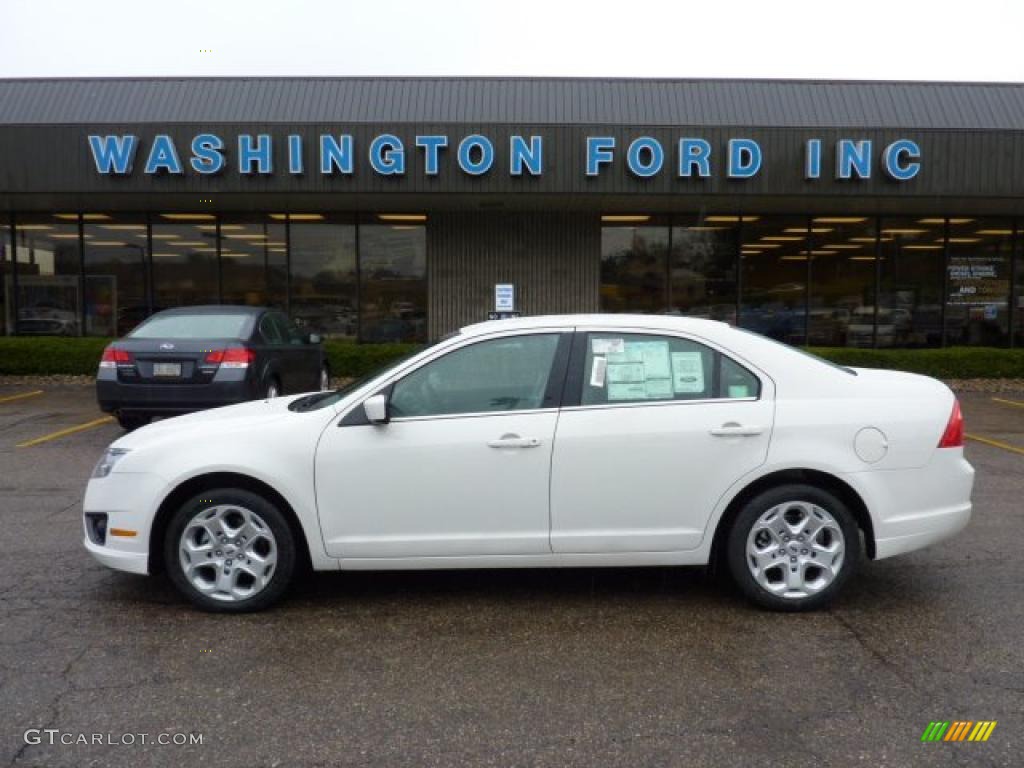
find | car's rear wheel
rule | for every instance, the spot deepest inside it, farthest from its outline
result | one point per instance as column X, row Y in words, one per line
column 792, row 548
column 130, row 421
column 325, row 379
column 229, row 550
column 273, row 389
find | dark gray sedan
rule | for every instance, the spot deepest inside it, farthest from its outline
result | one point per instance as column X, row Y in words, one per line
column 188, row 359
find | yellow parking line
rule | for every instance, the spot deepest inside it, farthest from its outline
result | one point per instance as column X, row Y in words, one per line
column 68, row 431
column 1008, row 402
column 996, row 443
column 21, row 396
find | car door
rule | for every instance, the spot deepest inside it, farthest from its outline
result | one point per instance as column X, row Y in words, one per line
column 303, row 358
column 463, row 466
column 654, row 429
column 268, row 351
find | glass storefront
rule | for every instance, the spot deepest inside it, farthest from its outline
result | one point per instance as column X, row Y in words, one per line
column 773, row 281
column 828, row 280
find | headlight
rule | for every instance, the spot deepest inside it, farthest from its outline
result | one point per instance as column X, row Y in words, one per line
column 106, row 463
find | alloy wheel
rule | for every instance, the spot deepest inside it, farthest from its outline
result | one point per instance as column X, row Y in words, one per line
column 795, row 549
column 228, row 553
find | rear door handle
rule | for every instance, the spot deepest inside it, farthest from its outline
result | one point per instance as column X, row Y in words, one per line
column 732, row 429
column 514, row 441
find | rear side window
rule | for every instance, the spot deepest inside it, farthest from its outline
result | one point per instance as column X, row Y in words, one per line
column 269, row 330
column 630, row 368
column 199, row 326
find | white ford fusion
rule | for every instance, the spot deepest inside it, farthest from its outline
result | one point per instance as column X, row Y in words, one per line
column 589, row 440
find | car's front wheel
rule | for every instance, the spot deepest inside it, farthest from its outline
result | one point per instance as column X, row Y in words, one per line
column 229, row 550
column 792, row 548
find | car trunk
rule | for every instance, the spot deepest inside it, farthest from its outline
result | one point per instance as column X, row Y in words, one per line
column 170, row 361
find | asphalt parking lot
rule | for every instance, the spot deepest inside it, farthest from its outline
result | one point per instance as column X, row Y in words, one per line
column 633, row 667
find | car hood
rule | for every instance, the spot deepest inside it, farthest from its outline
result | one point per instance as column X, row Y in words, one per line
column 234, row 418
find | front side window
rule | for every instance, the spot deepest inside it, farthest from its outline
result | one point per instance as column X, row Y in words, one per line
column 507, row 374
column 630, row 368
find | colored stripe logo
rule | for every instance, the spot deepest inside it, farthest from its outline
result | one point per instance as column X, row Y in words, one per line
column 958, row 730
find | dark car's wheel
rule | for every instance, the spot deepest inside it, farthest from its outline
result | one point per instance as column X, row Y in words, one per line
column 792, row 548
column 130, row 421
column 325, row 379
column 229, row 551
column 273, row 389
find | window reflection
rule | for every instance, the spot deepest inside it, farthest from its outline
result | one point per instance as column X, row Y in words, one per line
column 912, row 257
column 773, row 258
column 184, row 260
column 977, row 304
column 253, row 253
column 6, row 282
column 115, row 273
column 323, row 260
column 49, row 294
column 703, row 267
column 842, row 292
column 634, row 268
column 393, row 287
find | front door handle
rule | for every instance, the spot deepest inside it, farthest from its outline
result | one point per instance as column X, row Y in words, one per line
column 732, row 429
column 514, row 441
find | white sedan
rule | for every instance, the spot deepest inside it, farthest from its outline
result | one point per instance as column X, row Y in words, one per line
column 589, row 440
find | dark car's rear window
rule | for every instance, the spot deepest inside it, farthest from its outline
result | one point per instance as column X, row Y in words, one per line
column 204, row 326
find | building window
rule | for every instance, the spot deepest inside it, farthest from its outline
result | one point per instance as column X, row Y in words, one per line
column 912, row 253
column 773, row 265
column 842, row 288
column 49, row 290
column 977, row 299
column 324, row 293
column 185, row 270
column 253, row 261
column 393, row 282
column 702, row 279
column 6, row 284
column 116, row 261
column 1018, row 293
column 634, row 265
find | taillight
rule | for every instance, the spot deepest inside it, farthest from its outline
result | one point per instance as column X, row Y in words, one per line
column 236, row 357
column 953, row 437
column 113, row 357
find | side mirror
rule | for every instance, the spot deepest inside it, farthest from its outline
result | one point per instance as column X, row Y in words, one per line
column 313, row 338
column 376, row 409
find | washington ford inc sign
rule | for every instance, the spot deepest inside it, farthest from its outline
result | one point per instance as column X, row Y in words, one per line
column 475, row 155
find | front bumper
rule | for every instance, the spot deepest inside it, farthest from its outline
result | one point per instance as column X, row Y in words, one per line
column 130, row 501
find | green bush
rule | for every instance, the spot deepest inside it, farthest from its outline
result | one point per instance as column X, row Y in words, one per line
column 41, row 355
column 37, row 355
column 950, row 363
column 54, row 355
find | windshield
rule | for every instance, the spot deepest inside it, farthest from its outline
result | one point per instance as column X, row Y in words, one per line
column 799, row 351
column 324, row 399
column 198, row 326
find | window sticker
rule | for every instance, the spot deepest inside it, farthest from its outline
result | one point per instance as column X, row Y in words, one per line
column 659, row 389
column 687, row 372
column 739, row 390
column 597, row 372
column 655, row 357
column 621, row 373
column 606, row 346
column 633, row 390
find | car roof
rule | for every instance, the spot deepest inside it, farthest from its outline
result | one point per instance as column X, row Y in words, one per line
column 654, row 322
column 213, row 309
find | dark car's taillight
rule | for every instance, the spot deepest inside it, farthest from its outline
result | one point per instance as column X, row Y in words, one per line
column 235, row 357
column 113, row 357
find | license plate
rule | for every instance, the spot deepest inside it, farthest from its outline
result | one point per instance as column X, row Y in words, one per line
column 167, row 369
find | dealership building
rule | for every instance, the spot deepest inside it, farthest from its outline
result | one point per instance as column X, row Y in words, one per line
column 398, row 209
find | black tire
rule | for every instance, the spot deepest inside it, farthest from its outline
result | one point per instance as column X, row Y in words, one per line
column 324, row 380
column 281, row 575
column 272, row 389
column 131, row 421
column 751, row 513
